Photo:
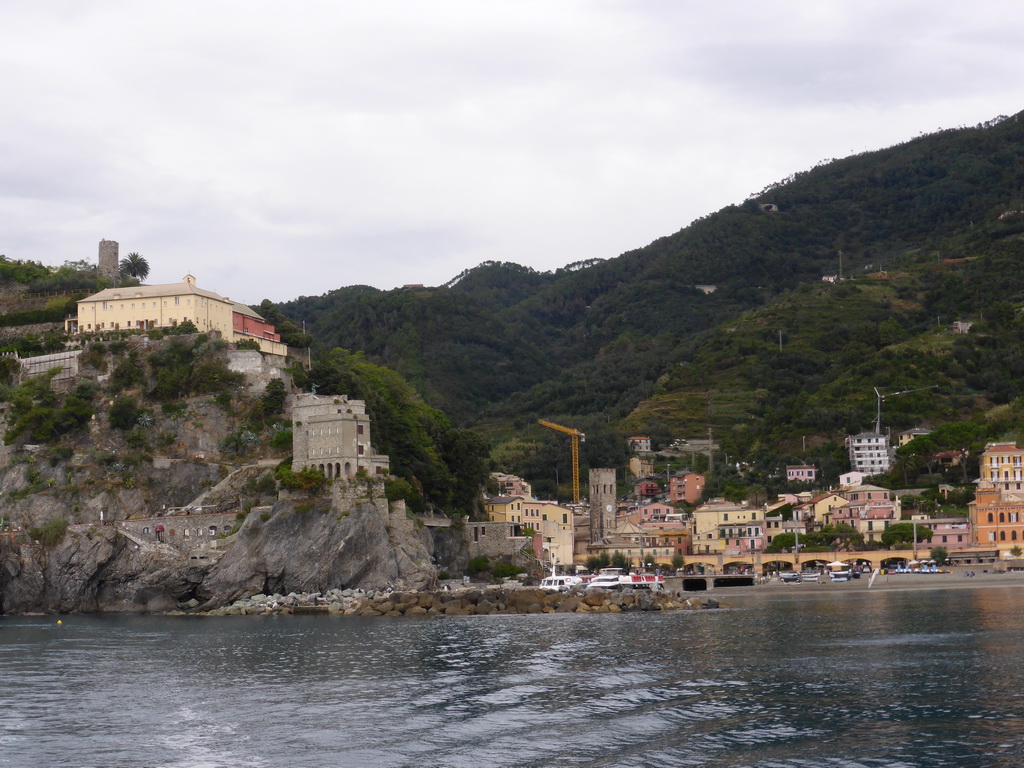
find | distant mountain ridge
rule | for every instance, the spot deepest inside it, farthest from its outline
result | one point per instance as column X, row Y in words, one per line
column 503, row 344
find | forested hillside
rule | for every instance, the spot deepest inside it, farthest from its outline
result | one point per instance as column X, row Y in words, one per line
column 773, row 357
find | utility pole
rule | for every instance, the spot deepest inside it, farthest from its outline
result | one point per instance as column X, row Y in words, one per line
column 711, row 454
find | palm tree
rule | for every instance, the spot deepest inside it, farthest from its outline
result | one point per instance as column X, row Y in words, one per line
column 135, row 265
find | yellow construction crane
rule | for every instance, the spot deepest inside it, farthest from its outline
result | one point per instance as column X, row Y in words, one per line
column 576, row 436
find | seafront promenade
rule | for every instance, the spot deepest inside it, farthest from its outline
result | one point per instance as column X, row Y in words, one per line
column 952, row 578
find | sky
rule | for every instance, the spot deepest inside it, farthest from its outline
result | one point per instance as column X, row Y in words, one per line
column 276, row 150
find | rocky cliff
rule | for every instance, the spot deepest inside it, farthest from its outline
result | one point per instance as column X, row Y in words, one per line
column 354, row 541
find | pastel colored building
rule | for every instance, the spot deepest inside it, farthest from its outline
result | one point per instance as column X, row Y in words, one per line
column 504, row 509
column 710, row 519
column 997, row 517
column 870, row 510
column 851, row 479
column 685, row 486
column 1002, row 466
column 801, row 473
column 148, row 307
column 512, row 485
column 818, row 509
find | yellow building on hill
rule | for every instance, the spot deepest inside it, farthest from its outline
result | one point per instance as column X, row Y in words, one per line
column 146, row 307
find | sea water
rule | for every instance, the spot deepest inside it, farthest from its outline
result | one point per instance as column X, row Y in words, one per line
column 894, row 679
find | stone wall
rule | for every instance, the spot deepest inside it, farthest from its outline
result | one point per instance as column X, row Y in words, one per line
column 259, row 369
column 494, row 539
column 184, row 532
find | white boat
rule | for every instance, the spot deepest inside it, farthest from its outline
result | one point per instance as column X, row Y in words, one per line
column 809, row 575
column 560, row 583
column 614, row 578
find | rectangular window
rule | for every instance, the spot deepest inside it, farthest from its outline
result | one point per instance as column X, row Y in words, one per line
column 359, row 429
column 177, row 300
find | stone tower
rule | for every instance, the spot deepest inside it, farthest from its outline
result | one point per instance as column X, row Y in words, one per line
column 602, row 503
column 109, row 264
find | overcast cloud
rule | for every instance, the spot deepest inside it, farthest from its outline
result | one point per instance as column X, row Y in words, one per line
column 284, row 149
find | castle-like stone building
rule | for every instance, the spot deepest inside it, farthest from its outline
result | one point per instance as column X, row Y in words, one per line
column 332, row 433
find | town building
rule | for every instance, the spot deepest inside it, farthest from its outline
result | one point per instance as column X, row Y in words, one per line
column 332, row 433
column 649, row 511
column 641, row 466
column 869, row 453
column 685, row 486
column 711, row 520
column 905, row 437
column 639, row 443
column 818, row 509
column 997, row 512
column 851, row 479
column 997, row 517
column 148, row 307
column 870, row 510
column 635, row 544
column 554, row 523
column 504, row 509
column 512, row 485
column 1002, row 466
column 801, row 473
column 647, row 489
column 950, row 531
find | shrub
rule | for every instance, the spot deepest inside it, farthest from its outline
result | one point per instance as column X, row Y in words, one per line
column 281, row 440
column 504, row 570
column 309, row 479
column 124, row 413
column 478, row 565
column 248, row 344
column 183, row 328
column 51, row 532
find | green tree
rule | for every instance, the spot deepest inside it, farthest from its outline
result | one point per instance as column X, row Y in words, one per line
column 783, row 542
column 183, row 328
column 135, row 265
column 902, row 534
column 939, row 554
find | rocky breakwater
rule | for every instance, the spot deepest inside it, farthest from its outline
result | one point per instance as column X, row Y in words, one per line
column 464, row 602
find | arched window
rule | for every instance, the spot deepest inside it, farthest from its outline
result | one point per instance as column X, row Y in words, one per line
column 1013, row 535
column 1002, row 517
column 990, row 518
column 1002, row 535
